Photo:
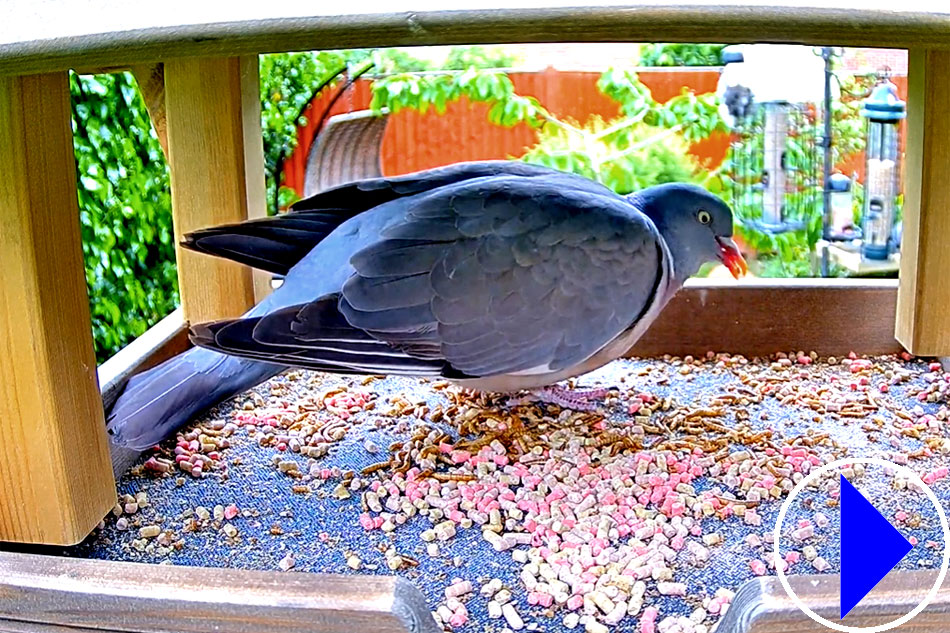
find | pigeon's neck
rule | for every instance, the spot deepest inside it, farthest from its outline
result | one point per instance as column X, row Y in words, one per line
column 683, row 262
column 672, row 281
column 686, row 260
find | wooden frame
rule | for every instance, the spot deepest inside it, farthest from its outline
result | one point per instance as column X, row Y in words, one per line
column 216, row 157
column 113, row 33
column 50, row 413
column 758, row 317
column 922, row 325
column 763, row 606
column 208, row 89
column 45, row 594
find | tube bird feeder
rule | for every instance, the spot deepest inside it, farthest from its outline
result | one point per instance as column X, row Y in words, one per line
column 884, row 112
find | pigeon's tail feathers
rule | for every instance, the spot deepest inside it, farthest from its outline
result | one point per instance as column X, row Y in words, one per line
column 273, row 244
column 276, row 243
column 312, row 336
column 156, row 403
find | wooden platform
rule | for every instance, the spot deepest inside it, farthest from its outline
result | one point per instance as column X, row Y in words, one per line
column 55, row 475
column 848, row 256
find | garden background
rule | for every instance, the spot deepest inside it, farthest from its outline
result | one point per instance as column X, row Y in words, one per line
column 629, row 126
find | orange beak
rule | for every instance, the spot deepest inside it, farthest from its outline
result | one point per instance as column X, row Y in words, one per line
column 731, row 257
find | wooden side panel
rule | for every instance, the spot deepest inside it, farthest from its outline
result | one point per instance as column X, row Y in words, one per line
column 163, row 340
column 151, row 81
column 763, row 606
column 160, row 342
column 208, row 119
column 47, row 594
column 55, row 476
column 254, row 158
column 764, row 316
column 924, row 295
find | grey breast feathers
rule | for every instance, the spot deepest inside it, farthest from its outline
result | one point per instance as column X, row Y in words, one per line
column 492, row 275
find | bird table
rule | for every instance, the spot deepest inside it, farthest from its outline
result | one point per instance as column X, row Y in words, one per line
column 197, row 65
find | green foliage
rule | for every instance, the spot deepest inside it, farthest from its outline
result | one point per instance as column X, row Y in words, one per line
column 465, row 57
column 420, row 92
column 639, row 157
column 647, row 146
column 125, row 210
column 696, row 116
column 625, row 88
column 681, row 54
column 288, row 81
column 848, row 126
column 394, row 60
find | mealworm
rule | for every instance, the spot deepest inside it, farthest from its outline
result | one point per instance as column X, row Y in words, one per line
column 453, row 477
column 372, row 468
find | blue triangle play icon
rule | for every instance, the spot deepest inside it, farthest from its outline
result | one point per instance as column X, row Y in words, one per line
column 870, row 547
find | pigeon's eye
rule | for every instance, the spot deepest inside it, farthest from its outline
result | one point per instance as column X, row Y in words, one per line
column 704, row 217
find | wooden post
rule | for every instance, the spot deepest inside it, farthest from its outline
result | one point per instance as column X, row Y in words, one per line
column 214, row 142
column 924, row 294
column 55, row 475
column 151, row 81
column 254, row 158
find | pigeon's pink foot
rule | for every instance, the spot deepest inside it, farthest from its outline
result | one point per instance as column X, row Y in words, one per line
column 577, row 399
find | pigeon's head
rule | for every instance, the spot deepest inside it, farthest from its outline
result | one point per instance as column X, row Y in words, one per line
column 696, row 225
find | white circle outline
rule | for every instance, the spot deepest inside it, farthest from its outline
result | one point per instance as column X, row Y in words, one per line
column 907, row 617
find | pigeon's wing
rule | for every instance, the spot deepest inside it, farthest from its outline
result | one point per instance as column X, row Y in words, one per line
column 273, row 244
column 489, row 276
column 506, row 275
column 276, row 243
column 315, row 336
column 372, row 192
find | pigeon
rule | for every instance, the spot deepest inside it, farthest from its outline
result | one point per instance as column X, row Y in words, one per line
column 500, row 276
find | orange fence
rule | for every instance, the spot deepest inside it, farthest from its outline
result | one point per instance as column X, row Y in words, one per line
column 415, row 141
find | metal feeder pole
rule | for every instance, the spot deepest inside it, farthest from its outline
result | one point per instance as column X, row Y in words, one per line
column 826, row 54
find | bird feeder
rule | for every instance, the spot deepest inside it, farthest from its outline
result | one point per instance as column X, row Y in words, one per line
column 774, row 174
column 884, row 111
column 775, row 165
column 774, row 159
column 842, row 201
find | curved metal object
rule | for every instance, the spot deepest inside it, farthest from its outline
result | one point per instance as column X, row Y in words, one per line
column 347, row 149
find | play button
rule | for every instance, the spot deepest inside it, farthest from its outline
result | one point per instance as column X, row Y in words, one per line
column 870, row 547
column 865, row 530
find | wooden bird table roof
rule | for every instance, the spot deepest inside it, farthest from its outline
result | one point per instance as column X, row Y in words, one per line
column 46, row 35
